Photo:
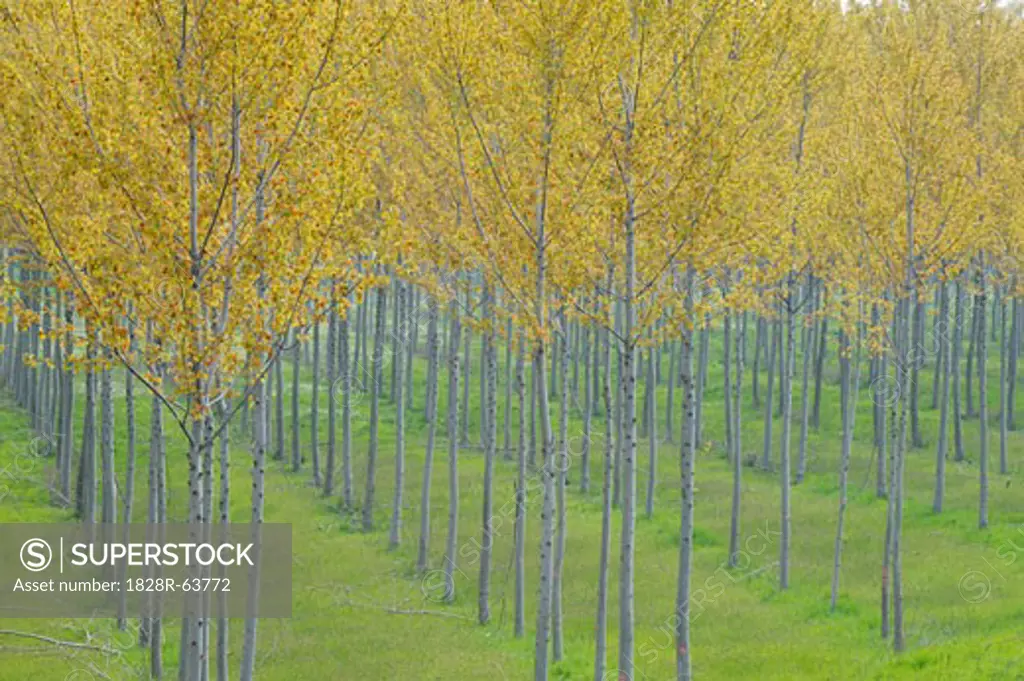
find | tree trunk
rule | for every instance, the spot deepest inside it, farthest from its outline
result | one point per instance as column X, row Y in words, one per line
column 67, row 434
column 488, row 406
column 375, row 389
column 520, row 528
column 766, row 456
column 702, row 381
column 295, row 402
column 129, row 471
column 601, row 635
column 423, row 556
column 508, row 390
column 1011, row 383
column 916, row 361
column 819, row 366
column 109, row 509
column 727, row 381
column 398, row 395
column 627, row 543
column 333, row 388
column 943, row 359
column 686, row 522
column 467, row 370
column 87, row 491
column 1003, row 404
column 562, row 464
column 969, row 387
column 346, row 371
column 737, row 402
column 279, row 406
column 248, row 662
column 787, row 420
column 588, row 409
column 652, row 437
column 314, row 408
column 958, row 343
column 849, row 415
column 670, row 399
column 805, row 402
column 737, row 465
column 453, row 454
column 980, row 304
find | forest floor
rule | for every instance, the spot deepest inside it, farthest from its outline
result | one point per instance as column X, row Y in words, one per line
column 360, row 612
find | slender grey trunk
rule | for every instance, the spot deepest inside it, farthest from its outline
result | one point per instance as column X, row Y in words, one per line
column 702, row 381
column 756, row 366
column 129, row 472
column 333, row 387
column 412, row 300
column 652, row 437
column 766, row 456
column 969, row 376
column 670, row 398
column 943, row 359
column 375, row 389
column 958, row 343
column 248, row 661
column 507, row 416
column 223, row 625
column 561, row 482
column 727, row 381
column 805, row 402
column 588, row 411
column 398, row 395
column 520, row 527
column 849, row 414
column 422, row 558
column 980, row 303
column 296, row 387
column 1011, row 383
column 279, row 406
column 346, row 372
column 619, row 409
column 819, row 366
column 534, row 398
column 686, row 522
column 467, row 365
column 737, row 465
column 787, row 421
column 627, row 544
column 67, row 435
column 916, row 361
column 1003, row 404
column 488, row 405
column 601, row 630
column 453, row 454
column 158, row 515
column 109, row 512
column 737, row 402
column 314, row 409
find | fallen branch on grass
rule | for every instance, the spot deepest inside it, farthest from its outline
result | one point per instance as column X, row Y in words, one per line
column 58, row 642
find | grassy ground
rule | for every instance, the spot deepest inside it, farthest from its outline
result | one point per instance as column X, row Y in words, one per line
column 964, row 588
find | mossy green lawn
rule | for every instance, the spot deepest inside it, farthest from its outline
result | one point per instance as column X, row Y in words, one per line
column 360, row 612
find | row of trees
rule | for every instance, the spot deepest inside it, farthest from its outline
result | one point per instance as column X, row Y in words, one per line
column 194, row 192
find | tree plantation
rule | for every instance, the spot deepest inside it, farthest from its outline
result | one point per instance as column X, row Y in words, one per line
column 574, row 339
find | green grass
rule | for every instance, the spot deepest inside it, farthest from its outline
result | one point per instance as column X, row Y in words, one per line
column 743, row 626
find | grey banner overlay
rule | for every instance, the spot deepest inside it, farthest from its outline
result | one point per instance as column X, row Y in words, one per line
column 173, row 570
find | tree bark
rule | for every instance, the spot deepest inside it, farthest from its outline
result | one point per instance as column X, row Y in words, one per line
column 398, row 395
column 943, row 360
column 453, row 453
column 375, row 390
column 423, row 555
